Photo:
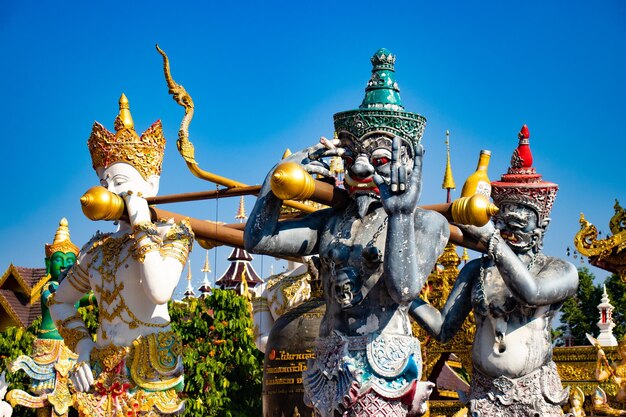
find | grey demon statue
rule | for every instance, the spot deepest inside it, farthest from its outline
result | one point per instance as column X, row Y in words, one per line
column 375, row 254
column 515, row 292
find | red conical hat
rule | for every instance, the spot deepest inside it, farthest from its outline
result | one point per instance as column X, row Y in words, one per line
column 521, row 184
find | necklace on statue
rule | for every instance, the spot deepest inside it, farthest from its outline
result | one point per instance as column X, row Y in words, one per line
column 499, row 314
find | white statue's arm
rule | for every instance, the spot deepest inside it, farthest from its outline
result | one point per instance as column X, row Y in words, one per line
column 263, row 321
column 161, row 259
column 70, row 324
column 5, row 408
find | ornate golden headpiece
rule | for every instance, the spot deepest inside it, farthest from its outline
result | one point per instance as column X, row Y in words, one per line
column 62, row 242
column 144, row 153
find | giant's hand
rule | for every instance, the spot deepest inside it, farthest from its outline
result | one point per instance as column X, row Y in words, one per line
column 311, row 158
column 482, row 234
column 82, row 377
column 401, row 194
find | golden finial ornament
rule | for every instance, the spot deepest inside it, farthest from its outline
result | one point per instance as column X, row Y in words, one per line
column 291, row 182
column 98, row 203
column 207, row 267
column 286, row 153
column 465, row 257
column 448, row 179
column 144, row 153
column 61, row 242
column 241, row 212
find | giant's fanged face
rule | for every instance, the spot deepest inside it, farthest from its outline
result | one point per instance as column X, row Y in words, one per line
column 368, row 155
column 518, row 225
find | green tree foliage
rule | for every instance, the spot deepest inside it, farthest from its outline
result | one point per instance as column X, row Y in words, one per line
column 616, row 288
column 14, row 342
column 581, row 313
column 223, row 368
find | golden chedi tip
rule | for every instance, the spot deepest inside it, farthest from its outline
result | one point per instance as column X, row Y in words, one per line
column 124, row 120
column 61, row 242
column 241, row 212
column 448, row 179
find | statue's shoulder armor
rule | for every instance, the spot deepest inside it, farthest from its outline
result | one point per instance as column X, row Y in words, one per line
column 94, row 242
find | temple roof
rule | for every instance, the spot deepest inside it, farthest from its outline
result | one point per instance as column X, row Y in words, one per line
column 20, row 291
column 240, row 266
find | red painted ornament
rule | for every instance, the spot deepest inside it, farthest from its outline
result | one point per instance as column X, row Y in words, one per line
column 522, row 157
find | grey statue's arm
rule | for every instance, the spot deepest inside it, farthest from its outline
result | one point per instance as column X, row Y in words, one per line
column 414, row 242
column 556, row 281
column 444, row 324
column 266, row 235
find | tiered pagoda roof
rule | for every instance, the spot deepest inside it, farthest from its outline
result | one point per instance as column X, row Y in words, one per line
column 20, row 291
column 240, row 266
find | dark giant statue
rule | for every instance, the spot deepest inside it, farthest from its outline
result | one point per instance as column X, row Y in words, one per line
column 375, row 254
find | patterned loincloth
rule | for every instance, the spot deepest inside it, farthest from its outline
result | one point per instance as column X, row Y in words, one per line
column 141, row 380
column 375, row 375
column 538, row 394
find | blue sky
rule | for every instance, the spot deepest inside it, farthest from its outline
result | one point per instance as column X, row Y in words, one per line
column 266, row 76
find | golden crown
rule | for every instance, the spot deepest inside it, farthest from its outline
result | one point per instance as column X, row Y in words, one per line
column 62, row 242
column 144, row 153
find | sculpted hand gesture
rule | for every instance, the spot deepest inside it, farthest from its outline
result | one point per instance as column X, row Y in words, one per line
column 137, row 207
column 311, row 158
column 82, row 377
column 401, row 192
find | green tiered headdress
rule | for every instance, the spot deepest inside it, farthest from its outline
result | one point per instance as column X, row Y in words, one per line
column 382, row 108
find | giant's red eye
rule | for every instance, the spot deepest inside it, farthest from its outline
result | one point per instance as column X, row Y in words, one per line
column 348, row 159
column 380, row 161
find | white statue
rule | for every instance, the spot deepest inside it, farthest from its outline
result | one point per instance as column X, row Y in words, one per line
column 5, row 408
column 135, row 363
column 281, row 292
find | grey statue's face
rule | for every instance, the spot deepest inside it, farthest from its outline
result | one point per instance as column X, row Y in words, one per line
column 519, row 227
column 366, row 156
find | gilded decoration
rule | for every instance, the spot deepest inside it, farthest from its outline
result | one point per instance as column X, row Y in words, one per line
column 284, row 292
column 608, row 253
column 576, row 367
column 140, row 380
column 48, row 367
column 145, row 153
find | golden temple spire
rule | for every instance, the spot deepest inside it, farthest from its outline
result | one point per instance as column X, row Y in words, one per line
column 448, row 179
column 207, row 267
column 241, row 213
column 465, row 256
column 189, row 291
column 286, row 153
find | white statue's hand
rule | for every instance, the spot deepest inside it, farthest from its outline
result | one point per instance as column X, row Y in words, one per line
column 82, row 377
column 137, row 207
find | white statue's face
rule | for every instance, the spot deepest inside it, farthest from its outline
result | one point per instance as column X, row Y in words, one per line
column 121, row 177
